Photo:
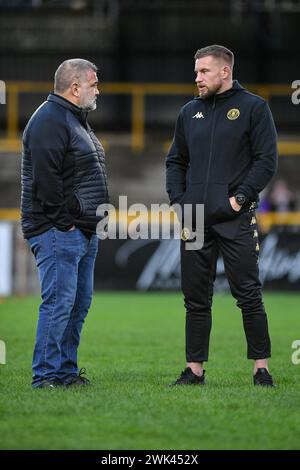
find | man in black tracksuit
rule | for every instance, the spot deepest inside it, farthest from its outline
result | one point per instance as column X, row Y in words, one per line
column 223, row 154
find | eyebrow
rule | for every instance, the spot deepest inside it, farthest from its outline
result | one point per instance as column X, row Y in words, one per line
column 201, row 70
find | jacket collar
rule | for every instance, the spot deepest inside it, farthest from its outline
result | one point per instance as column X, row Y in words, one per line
column 82, row 115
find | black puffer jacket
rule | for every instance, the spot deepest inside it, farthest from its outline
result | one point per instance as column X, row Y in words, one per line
column 63, row 170
column 223, row 145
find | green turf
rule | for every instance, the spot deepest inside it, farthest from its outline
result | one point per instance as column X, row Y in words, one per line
column 133, row 346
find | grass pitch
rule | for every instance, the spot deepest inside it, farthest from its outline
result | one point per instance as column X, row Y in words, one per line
column 133, row 346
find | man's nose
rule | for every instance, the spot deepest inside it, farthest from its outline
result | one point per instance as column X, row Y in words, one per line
column 97, row 91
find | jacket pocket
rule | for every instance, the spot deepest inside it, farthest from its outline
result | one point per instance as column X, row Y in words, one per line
column 193, row 195
column 217, row 205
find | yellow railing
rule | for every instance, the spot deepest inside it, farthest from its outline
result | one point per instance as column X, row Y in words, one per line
column 265, row 220
column 137, row 91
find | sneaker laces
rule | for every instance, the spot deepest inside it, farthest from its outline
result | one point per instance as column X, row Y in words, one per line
column 184, row 374
column 187, row 371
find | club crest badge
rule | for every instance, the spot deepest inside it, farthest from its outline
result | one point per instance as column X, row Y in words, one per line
column 233, row 114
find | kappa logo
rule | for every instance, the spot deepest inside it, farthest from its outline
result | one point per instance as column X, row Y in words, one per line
column 198, row 115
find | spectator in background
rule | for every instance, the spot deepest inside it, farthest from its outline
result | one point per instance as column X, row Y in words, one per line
column 264, row 202
column 281, row 197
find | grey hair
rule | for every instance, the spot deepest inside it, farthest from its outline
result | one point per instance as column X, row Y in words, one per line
column 219, row 52
column 70, row 71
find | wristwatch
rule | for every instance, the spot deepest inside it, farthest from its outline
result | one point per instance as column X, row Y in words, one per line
column 240, row 199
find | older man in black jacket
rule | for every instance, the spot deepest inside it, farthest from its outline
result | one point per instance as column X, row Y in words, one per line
column 223, row 154
column 63, row 182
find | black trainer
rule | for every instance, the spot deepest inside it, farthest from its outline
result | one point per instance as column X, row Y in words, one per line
column 263, row 378
column 187, row 377
column 78, row 380
column 51, row 383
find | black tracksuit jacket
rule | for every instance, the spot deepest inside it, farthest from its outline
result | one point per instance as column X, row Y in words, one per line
column 223, row 145
column 63, row 170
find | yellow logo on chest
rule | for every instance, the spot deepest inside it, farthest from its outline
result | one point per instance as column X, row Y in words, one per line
column 233, row 114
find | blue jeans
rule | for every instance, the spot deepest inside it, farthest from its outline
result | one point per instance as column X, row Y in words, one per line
column 65, row 262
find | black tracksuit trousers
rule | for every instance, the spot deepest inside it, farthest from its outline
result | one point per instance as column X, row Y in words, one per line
column 238, row 243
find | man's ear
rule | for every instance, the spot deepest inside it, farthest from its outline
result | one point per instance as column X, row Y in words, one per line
column 226, row 71
column 75, row 89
